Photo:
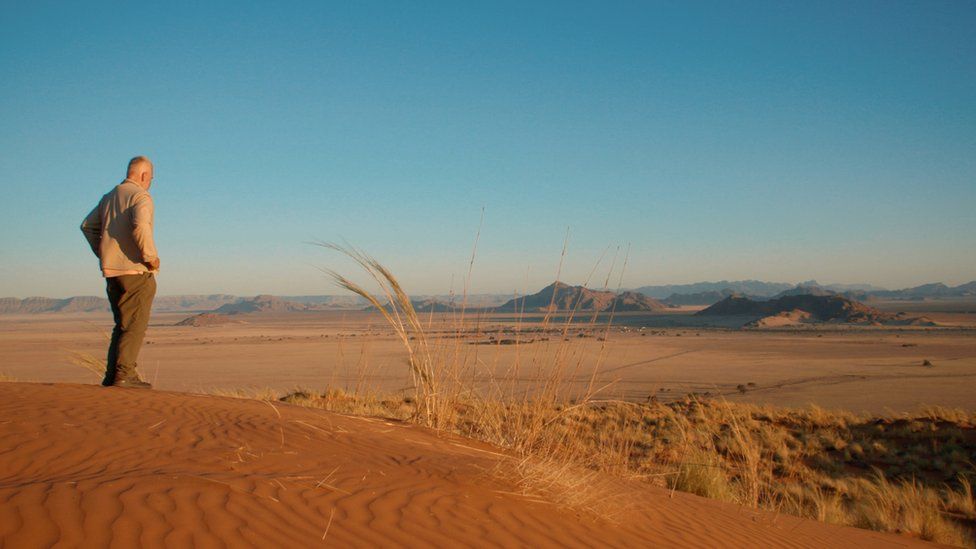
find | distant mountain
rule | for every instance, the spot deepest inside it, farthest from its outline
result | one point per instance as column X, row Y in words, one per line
column 261, row 304
column 563, row 297
column 451, row 302
column 712, row 297
column 937, row 290
column 700, row 293
column 184, row 303
column 434, row 306
column 704, row 293
column 967, row 289
column 703, row 298
column 83, row 304
column 746, row 287
column 328, row 301
column 31, row 305
column 471, row 301
column 426, row 306
column 805, row 308
column 805, row 290
column 925, row 291
column 634, row 301
column 256, row 305
column 841, row 288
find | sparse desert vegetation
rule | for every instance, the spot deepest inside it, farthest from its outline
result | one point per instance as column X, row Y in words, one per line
column 910, row 474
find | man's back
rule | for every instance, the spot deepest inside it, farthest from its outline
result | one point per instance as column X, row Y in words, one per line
column 119, row 230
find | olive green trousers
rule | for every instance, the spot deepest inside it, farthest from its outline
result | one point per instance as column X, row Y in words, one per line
column 131, row 298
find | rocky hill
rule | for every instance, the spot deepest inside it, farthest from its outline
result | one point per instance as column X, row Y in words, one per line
column 262, row 304
column 563, row 297
column 633, row 301
column 255, row 305
column 207, row 319
column 806, row 308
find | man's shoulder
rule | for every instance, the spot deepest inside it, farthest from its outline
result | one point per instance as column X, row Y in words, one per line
column 111, row 194
column 131, row 191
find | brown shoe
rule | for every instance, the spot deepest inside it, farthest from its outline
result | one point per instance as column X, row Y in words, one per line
column 127, row 376
column 134, row 383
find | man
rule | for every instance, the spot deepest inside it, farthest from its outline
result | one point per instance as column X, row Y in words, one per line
column 119, row 231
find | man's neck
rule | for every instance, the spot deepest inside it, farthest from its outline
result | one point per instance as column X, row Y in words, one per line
column 134, row 182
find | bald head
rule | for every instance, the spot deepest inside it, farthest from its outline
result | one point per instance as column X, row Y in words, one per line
column 140, row 171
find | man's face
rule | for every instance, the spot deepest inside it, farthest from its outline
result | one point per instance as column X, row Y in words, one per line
column 147, row 177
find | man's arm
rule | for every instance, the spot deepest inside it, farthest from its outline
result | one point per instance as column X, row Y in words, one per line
column 142, row 230
column 92, row 229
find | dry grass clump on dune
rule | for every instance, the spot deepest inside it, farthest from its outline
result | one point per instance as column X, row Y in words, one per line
column 910, row 474
column 87, row 361
column 250, row 393
column 495, row 410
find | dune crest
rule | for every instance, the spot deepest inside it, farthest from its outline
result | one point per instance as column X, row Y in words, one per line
column 85, row 465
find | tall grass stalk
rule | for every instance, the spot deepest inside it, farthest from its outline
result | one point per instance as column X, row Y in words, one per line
column 455, row 390
column 399, row 312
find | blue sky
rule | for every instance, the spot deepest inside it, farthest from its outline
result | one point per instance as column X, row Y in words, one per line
column 772, row 140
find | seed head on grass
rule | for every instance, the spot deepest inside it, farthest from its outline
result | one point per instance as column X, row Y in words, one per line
column 402, row 317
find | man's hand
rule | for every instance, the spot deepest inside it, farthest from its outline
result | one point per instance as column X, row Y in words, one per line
column 153, row 264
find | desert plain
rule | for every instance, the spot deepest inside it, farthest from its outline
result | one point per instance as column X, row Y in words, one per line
column 185, row 464
column 633, row 356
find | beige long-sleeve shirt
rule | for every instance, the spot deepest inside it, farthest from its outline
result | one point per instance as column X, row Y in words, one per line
column 120, row 230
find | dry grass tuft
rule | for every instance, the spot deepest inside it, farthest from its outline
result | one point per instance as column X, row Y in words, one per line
column 961, row 502
column 906, row 507
column 528, row 421
column 397, row 309
column 87, row 361
column 253, row 393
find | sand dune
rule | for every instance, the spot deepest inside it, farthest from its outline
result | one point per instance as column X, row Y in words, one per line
column 84, row 465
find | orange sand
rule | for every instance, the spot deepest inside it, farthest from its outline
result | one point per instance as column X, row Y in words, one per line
column 92, row 466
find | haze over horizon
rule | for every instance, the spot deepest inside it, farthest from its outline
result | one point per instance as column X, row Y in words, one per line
column 769, row 141
column 592, row 285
